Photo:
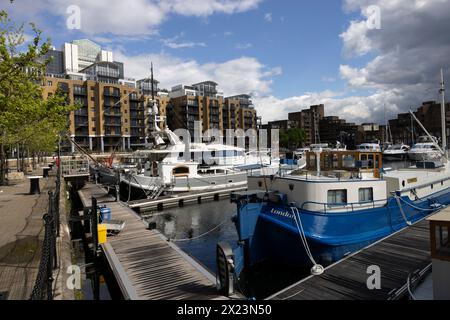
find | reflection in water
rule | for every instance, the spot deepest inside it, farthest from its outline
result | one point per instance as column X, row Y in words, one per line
column 182, row 224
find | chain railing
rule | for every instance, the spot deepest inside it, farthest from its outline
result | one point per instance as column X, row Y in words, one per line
column 42, row 289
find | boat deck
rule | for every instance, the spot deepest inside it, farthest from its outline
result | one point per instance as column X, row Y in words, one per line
column 145, row 265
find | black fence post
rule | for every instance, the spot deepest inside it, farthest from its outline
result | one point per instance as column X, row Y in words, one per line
column 52, row 214
column 57, row 199
column 94, row 225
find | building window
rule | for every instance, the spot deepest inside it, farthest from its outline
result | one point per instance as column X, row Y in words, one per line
column 49, row 83
column 366, row 195
column 337, row 196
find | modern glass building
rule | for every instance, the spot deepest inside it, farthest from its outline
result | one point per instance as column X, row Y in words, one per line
column 88, row 52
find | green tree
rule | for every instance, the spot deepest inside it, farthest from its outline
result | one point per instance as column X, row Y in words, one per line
column 25, row 117
column 292, row 138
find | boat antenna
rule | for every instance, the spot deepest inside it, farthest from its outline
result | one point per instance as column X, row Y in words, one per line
column 443, row 116
column 260, row 156
column 151, row 80
column 154, row 107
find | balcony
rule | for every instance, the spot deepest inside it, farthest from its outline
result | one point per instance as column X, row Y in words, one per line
column 138, row 132
column 113, row 134
column 114, row 94
column 193, row 112
column 137, row 115
column 136, row 107
column 79, row 91
column 137, row 125
column 81, row 132
column 112, row 123
column 112, row 104
column 134, row 97
column 81, row 112
column 80, row 123
column 112, row 115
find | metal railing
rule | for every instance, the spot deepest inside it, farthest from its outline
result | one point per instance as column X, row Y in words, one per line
column 343, row 207
column 43, row 287
column 74, row 166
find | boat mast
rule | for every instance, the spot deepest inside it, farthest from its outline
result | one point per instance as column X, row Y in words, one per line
column 154, row 106
column 443, row 115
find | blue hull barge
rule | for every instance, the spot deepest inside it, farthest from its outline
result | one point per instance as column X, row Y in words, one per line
column 343, row 202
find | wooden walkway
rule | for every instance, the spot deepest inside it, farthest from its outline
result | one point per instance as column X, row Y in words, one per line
column 398, row 256
column 145, row 264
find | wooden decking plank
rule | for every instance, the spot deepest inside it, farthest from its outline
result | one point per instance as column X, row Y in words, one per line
column 397, row 256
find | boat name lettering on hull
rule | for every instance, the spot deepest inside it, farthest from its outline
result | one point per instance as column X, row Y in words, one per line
column 281, row 213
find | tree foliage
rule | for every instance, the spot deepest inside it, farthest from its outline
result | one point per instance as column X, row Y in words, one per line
column 25, row 117
column 292, row 138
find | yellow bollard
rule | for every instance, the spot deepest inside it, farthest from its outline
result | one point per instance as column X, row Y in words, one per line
column 102, row 231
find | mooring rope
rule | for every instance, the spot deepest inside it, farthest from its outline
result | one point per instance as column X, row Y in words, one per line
column 414, row 207
column 202, row 235
column 397, row 198
column 317, row 269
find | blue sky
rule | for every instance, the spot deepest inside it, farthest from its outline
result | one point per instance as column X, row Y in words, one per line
column 288, row 54
column 301, row 37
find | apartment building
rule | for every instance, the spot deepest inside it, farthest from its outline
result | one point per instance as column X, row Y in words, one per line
column 117, row 112
column 309, row 120
column 111, row 116
column 333, row 129
column 204, row 102
column 404, row 129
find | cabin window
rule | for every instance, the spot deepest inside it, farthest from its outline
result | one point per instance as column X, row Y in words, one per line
column 370, row 160
column 180, row 171
column 312, row 161
column 348, row 161
column 366, row 195
column 337, row 196
column 335, row 161
column 328, row 161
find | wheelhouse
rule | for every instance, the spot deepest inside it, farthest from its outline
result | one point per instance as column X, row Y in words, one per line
column 346, row 162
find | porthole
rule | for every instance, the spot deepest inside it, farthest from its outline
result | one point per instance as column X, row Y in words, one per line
column 291, row 187
column 260, row 184
column 432, row 187
column 403, row 183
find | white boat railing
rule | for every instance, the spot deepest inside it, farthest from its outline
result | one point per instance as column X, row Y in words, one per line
column 74, row 166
